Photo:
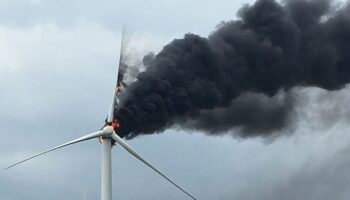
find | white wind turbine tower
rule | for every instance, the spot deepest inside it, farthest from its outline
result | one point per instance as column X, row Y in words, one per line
column 106, row 136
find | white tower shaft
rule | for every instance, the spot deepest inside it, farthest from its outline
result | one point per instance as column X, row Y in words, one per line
column 106, row 169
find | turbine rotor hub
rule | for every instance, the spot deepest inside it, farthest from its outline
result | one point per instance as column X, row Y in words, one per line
column 108, row 130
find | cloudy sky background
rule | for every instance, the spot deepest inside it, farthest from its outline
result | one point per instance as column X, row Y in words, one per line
column 57, row 71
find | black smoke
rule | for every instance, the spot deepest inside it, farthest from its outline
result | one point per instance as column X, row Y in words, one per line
column 241, row 76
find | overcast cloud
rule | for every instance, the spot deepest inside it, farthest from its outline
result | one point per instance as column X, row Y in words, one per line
column 57, row 70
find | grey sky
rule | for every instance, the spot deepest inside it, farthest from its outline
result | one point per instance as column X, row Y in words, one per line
column 57, row 69
column 164, row 17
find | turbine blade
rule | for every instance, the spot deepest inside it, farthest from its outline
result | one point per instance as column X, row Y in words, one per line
column 138, row 156
column 120, row 75
column 86, row 137
column 111, row 109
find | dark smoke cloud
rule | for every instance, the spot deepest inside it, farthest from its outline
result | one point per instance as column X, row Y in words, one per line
column 231, row 79
column 251, row 113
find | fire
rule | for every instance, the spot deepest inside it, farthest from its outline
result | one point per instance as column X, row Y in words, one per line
column 115, row 124
column 117, row 89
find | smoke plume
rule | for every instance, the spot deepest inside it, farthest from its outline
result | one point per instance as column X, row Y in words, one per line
column 241, row 76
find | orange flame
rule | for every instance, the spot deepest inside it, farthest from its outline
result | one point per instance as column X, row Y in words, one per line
column 115, row 124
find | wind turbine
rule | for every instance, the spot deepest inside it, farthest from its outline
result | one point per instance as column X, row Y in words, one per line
column 106, row 136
